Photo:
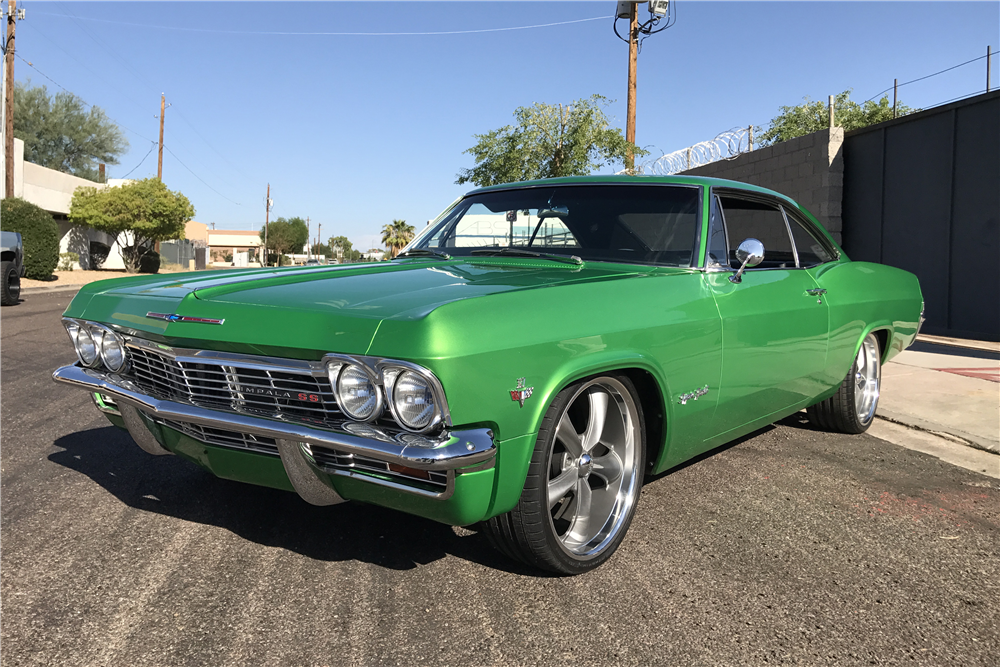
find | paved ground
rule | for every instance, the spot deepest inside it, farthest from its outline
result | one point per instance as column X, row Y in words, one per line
column 789, row 547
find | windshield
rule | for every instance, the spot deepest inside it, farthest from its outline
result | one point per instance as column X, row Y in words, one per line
column 618, row 223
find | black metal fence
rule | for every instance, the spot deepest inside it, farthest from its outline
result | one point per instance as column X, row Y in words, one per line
column 922, row 193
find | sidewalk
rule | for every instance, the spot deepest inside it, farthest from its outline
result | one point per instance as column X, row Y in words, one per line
column 946, row 390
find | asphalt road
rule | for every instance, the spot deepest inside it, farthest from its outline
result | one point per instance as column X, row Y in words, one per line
column 789, row 547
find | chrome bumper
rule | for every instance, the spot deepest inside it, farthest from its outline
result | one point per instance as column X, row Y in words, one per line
column 449, row 451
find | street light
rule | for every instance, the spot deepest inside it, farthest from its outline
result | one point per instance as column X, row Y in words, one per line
column 628, row 9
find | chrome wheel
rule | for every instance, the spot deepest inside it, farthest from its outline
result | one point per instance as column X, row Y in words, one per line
column 593, row 469
column 867, row 377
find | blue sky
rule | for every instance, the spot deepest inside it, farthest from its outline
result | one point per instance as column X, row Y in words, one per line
column 354, row 131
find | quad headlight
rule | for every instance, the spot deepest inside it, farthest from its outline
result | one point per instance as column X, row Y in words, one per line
column 413, row 400
column 95, row 343
column 357, row 394
column 365, row 384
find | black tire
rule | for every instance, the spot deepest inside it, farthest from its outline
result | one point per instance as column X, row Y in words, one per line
column 607, row 473
column 852, row 408
column 10, row 288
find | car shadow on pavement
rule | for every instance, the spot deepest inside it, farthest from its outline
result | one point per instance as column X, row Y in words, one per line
column 177, row 488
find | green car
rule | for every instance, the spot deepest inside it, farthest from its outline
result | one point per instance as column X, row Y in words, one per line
column 535, row 352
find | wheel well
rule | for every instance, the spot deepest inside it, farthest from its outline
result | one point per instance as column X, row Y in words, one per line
column 8, row 256
column 651, row 398
column 882, row 336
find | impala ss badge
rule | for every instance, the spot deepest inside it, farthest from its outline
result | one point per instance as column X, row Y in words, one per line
column 692, row 395
column 520, row 393
column 173, row 317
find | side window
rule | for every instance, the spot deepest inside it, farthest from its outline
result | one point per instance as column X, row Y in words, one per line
column 718, row 251
column 812, row 250
column 749, row 218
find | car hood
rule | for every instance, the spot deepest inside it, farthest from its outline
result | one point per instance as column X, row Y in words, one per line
column 287, row 308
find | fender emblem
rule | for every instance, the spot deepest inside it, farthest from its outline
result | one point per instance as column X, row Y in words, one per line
column 692, row 395
column 173, row 317
column 520, row 393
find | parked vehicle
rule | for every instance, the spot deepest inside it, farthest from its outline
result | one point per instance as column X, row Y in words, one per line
column 11, row 267
column 521, row 365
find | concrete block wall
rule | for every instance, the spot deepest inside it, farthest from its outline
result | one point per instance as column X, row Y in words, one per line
column 809, row 169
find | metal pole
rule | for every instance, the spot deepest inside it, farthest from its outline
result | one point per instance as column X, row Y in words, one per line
column 267, row 220
column 633, row 58
column 8, row 131
column 989, row 56
column 895, row 91
column 159, row 161
column 750, row 142
column 831, row 112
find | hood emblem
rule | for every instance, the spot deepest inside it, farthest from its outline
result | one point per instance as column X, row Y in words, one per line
column 520, row 393
column 173, row 317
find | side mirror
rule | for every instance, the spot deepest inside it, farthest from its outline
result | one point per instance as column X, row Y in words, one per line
column 749, row 254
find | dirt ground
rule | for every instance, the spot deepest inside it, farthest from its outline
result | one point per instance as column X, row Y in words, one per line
column 59, row 278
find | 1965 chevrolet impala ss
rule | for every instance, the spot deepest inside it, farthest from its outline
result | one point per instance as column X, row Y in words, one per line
column 531, row 355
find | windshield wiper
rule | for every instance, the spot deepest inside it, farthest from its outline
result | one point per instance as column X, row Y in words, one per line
column 520, row 252
column 423, row 252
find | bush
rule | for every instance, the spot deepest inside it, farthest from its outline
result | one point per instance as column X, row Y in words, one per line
column 98, row 254
column 67, row 260
column 39, row 233
column 150, row 262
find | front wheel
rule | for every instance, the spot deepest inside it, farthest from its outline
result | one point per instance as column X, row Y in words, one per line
column 852, row 408
column 10, row 285
column 583, row 481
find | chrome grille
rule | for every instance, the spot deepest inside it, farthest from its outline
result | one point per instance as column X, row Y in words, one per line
column 329, row 460
column 219, row 385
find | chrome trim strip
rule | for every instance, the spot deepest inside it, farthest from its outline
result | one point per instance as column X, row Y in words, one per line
column 445, row 452
column 104, row 404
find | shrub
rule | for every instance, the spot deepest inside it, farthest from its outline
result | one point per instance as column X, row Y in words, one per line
column 39, row 234
column 98, row 254
column 67, row 260
column 150, row 262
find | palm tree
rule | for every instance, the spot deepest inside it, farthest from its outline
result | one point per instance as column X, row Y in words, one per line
column 396, row 235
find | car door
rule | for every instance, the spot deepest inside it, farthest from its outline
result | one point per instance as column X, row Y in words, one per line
column 775, row 322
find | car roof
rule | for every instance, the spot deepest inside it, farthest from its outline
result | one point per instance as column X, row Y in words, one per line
column 700, row 181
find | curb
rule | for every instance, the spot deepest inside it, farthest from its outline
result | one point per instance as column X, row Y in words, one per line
column 976, row 442
column 28, row 291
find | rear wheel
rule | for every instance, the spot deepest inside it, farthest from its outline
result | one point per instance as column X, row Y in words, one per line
column 11, row 284
column 583, row 481
column 852, row 408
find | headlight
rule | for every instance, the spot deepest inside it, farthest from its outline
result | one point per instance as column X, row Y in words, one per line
column 358, row 396
column 112, row 352
column 86, row 346
column 413, row 400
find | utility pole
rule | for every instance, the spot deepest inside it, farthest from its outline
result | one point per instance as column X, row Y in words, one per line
column 308, row 238
column 831, row 112
column 629, row 9
column 8, row 129
column 633, row 64
column 319, row 233
column 267, row 220
column 895, row 96
column 159, row 161
column 989, row 54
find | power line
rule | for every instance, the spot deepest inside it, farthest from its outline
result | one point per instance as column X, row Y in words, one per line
column 928, row 76
column 152, row 145
column 329, row 34
column 166, row 148
column 85, row 103
column 222, row 155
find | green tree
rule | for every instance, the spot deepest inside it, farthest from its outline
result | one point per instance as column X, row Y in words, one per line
column 548, row 141
column 322, row 250
column 347, row 248
column 811, row 116
column 136, row 214
column 60, row 133
column 286, row 236
column 396, row 235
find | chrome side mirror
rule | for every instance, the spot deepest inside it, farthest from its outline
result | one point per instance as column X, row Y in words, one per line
column 749, row 254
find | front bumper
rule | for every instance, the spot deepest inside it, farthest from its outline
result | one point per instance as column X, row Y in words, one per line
column 456, row 451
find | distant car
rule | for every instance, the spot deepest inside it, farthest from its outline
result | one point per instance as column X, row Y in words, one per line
column 522, row 365
column 313, row 262
column 11, row 267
